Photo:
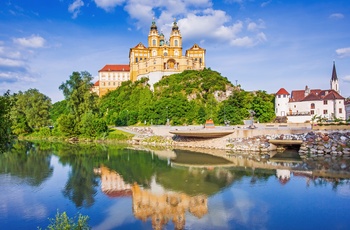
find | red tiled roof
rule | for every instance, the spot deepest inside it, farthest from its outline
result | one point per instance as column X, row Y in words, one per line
column 331, row 95
column 315, row 95
column 282, row 91
column 312, row 97
column 97, row 83
column 299, row 95
column 125, row 68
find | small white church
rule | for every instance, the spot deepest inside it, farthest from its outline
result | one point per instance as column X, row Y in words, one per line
column 300, row 106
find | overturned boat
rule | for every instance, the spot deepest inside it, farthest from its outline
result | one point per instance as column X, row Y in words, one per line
column 208, row 131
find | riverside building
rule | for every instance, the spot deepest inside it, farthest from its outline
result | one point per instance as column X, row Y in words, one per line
column 161, row 57
column 301, row 105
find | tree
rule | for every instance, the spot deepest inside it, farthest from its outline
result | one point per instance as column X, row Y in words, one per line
column 80, row 102
column 77, row 93
column 58, row 109
column 5, row 122
column 30, row 111
column 263, row 106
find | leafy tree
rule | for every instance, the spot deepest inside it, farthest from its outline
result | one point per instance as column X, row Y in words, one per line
column 30, row 111
column 92, row 125
column 82, row 105
column 77, row 93
column 5, row 122
column 58, row 109
column 263, row 106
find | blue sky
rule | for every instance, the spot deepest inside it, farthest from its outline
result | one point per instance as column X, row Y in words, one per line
column 261, row 45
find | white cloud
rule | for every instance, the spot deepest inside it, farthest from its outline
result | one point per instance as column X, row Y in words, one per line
column 255, row 26
column 32, row 42
column 265, row 3
column 75, row 7
column 108, row 5
column 336, row 16
column 7, row 62
column 347, row 78
column 343, row 52
column 197, row 20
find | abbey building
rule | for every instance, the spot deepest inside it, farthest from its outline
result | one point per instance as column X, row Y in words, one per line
column 161, row 57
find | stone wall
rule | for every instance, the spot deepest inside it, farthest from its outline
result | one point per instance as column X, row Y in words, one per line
column 326, row 145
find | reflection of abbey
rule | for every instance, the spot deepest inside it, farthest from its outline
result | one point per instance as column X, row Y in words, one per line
column 162, row 57
column 153, row 203
column 302, row 105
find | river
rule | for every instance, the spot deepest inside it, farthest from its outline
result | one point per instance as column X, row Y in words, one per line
column 121, row 187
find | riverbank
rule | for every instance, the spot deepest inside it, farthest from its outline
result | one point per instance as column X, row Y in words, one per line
column 315, row 144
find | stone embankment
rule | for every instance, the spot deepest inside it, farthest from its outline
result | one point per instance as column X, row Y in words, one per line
column 326, row 145
column 314, row 144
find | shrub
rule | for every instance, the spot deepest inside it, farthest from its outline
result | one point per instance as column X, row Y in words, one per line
column 63, row 222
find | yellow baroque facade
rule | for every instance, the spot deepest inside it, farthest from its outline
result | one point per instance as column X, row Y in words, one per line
column 163, row 57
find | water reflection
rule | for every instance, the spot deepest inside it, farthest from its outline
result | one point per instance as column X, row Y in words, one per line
column 27, row 163
column 155, row 203
column 167, row 188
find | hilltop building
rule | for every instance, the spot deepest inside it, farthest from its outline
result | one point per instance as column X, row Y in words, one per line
column 302, row 105
column 160, row 58
column 111, row 77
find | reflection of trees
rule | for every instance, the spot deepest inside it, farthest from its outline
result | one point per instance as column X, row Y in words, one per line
column 28, row 162
column 82, row 182
column 136, row 166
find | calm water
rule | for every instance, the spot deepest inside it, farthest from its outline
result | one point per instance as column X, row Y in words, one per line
column 124, row 188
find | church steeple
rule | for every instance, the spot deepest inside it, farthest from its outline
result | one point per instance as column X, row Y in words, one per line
column 334, row 80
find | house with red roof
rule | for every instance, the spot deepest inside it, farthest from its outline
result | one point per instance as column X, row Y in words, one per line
column 111, row 77
column 302, row 105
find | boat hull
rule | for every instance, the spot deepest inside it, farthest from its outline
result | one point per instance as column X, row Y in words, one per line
column 202, row 133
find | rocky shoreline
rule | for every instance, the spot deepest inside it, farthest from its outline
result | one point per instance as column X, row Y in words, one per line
column 318, row 145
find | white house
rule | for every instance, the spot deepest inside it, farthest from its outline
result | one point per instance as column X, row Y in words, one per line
column 302, row 105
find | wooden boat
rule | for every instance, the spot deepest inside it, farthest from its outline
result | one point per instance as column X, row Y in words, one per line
column 208, row 131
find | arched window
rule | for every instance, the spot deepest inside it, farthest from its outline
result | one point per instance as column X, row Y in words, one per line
column 154, row 43
column 154, row 53
column 312, row 105
column 176, row 42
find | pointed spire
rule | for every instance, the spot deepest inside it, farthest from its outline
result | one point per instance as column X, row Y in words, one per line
column 334, row 73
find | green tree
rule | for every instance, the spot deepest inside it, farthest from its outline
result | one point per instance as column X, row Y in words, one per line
column 30, row 111
column 5, row 122
column 77, row 93
column 58, row 109
column 92, row 126
column 81, row 103
column 263, row 106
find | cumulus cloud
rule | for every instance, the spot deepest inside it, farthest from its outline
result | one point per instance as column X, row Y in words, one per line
column 347, row 78
column 336, row 16
column 343, row 52
column 33, row 41
column 108, row 5
column 74, row 8
column 14, row 60
column 7, row 62
column 197, row 20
